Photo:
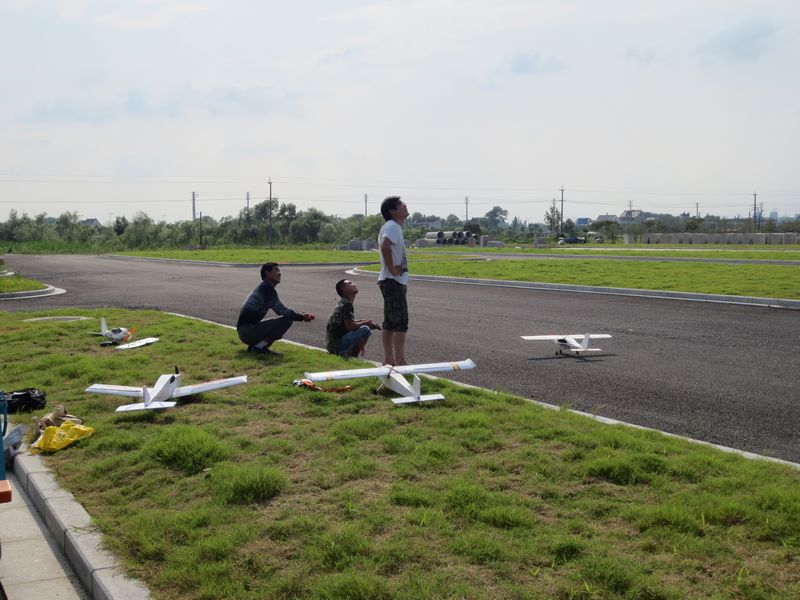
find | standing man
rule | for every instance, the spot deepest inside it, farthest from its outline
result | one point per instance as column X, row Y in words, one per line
column 393, row 280
column 258, row 334
column 344, row 334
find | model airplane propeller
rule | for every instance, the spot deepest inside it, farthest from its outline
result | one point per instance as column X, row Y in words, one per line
column 167, row 387
column 392, row 378
column 571, row 345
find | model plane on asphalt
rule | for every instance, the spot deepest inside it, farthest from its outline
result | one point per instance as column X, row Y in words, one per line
column 166, row 387
column 571, row 345
column 392, row 378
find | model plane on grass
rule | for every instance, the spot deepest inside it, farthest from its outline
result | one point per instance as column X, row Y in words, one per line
column 159, row 396
column 115, row 335
column 392, row 378
column 571, row 345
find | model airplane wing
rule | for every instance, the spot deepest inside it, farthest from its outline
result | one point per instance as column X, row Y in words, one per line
column 385, row 371
column 138, row 343
column 115, row 390
column 199, row 388
column 593, row 336
column 143, row 406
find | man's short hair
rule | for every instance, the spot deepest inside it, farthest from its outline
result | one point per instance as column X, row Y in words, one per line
column 389, row 204
column 340, row 287
column 266, row 268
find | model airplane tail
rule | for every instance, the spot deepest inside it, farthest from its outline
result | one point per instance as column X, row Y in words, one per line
column 103, row 326
column 146, row 397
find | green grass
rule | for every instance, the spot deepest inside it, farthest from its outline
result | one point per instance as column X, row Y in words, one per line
column 267, row 490
column 768, row 281
column 261, row 255
column 713, row 251
column 15, row 283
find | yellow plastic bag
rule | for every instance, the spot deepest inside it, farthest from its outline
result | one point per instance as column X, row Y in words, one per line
column 56, row 438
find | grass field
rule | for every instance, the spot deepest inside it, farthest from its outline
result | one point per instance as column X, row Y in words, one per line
column 267, row 490
column 768, row 281
column 763, row 252
column 15, row 283
column 261, row 255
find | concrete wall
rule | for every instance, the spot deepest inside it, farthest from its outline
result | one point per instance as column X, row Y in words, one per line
column 716, row 238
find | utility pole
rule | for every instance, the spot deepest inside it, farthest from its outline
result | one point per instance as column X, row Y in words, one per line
column 365, row 205
column 561, row 226
column 466, row 209
column 697, row 210
column 248, row 202
column 193, row 217
column 755, row 210
column 269, row 232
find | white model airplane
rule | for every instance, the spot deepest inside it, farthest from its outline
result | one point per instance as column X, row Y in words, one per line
column 115, row 335
column 167, row 387
column 138, row 343
column 392, row 378
column 571, row 345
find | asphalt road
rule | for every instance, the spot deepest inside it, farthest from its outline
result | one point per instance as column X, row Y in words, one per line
column 727, row 374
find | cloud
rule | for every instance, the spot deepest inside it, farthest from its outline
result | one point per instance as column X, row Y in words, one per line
column 528, row 63
column 215, row 103
column 643, row 56
column 746, row 42
column 132, row 14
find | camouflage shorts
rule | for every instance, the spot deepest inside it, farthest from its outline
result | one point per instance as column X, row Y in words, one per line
column 395, row 307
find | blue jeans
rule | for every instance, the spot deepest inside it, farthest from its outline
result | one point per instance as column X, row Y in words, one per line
column 351, row 338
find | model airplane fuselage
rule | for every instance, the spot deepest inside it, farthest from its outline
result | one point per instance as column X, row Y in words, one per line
column 392, row 378
column 571, row 345
column 115, row 335
column 160, row 395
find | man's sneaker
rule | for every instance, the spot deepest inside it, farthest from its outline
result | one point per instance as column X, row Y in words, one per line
column 262, row 350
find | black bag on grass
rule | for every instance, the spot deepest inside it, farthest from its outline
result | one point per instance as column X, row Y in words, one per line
column 26, row 400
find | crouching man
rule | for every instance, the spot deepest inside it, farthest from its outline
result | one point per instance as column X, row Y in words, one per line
column 257, row 334
column 344, row 335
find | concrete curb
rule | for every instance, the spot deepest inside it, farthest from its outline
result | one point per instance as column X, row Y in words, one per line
column 48, row 291
column 76, row 535
column 588, row 289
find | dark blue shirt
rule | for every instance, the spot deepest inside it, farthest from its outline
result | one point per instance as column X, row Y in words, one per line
column 259, row 302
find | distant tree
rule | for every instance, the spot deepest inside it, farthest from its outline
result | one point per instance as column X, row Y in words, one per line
column 67, row 226
column 609, row 229
column 553, row 219
column 120, row 225
column 496, row 217
column 452, row 222
column 694, row 224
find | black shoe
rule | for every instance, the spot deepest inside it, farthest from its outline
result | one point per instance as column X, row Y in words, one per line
column 262, row 350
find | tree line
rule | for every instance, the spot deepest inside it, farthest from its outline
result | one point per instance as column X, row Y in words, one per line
column 277, row 223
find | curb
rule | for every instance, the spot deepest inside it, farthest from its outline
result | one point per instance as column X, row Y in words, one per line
column 48, row 291
column 76, row 535
column 588, row 289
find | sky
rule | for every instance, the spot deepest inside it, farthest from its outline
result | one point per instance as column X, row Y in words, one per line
column 113, row 107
